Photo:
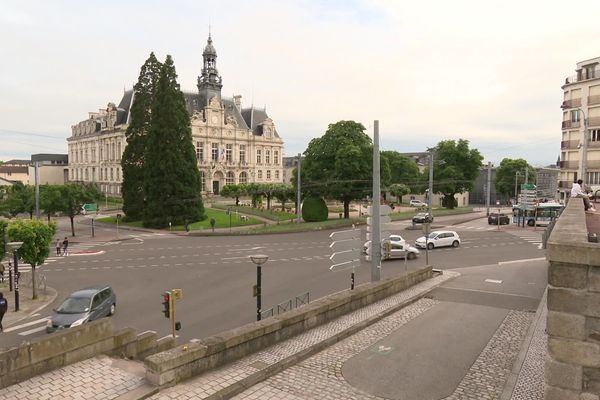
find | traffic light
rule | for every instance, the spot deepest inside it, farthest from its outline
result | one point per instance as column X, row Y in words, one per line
column 167, row 304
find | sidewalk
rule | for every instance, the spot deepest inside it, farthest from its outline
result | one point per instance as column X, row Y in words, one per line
column 27, row 306
column 306, row 365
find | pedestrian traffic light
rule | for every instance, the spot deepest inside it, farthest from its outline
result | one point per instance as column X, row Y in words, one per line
column 167, row 304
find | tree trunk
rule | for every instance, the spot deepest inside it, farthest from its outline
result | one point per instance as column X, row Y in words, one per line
column 33, row 283
column 346, row 209
column 237, row 201
column 48, row 217
column 283, row 206
column 268, row 202
column 72, row 217
column 30, row 214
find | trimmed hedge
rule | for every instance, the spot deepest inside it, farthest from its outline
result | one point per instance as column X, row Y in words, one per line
column 314, row 209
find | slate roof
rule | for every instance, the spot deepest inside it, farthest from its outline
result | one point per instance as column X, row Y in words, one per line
column 17, row 162
column 124, row 107
column 254, row 117
column 4, row 169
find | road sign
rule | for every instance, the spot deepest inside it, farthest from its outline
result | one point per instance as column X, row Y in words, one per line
column 345, row 256
column 344, row 235
column 384, row 235
column 384, row 209
column 527, row 186
column 383, row 219
column 341, row 245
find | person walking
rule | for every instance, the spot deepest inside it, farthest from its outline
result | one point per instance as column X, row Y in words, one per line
column 577, row 191
column 3, row 309
column 65, row 247
column 58, row 247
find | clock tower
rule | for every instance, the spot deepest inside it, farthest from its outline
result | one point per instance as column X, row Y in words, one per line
column 209, row 82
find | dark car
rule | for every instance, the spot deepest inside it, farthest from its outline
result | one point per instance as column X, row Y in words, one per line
column 422, row 218
column 83, row 306
column 493, row 219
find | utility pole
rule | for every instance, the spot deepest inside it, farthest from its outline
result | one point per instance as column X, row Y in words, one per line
column 527, row 174
column 489, row 185
column 376, row 239
column 298, row 199
column 584, row 149
column 430, row 193
column 37, row 189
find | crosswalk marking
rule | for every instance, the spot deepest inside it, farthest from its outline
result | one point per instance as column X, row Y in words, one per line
column 25, row 325
column 34, row 330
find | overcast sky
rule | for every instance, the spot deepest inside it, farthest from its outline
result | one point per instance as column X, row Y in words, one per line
column 489, row 72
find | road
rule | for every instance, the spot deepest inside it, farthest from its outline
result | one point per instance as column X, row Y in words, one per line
column 217, row 277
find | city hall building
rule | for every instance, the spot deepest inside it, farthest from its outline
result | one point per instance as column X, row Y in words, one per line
column 233, row 144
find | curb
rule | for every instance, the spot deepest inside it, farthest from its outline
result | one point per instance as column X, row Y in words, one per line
column 273, row 369
column 513, row 375
column 139, row 393
column 51, row 297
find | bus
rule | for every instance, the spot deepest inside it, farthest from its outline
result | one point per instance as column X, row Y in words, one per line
column 540, row 214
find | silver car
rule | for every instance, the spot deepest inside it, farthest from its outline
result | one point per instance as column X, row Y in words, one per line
column 83, row 306
column 394, row 249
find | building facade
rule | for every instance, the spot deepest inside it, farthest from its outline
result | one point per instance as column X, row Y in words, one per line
column 581, row 112
column 53, row 169
column 233, row 144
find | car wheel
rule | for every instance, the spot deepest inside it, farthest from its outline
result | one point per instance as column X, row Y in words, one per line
column 531, row 222
column 430, row 246
column 455, row 243
column 411, row 256
column 113, row 308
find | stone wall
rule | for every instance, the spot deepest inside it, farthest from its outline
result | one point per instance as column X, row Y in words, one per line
column 75, row 344
column 191, row 359
column 573, row 324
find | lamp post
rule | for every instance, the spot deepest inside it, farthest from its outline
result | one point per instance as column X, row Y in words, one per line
column 13, row 247
column 258, row 260
column 584, row 148
column 517, row 173
column 430, row 190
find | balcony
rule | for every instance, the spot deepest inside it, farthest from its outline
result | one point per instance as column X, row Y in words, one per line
column 591, row 72
column 565, row 184
column 570, row 124
column 573, row 103
column 569, row 164
column 569, row 144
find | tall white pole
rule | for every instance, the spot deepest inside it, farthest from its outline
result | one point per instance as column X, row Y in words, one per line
column 584, row 151
column 298, row 199
column 376, row 239
column 489, row 186
column 37, row 189
column 430, row 194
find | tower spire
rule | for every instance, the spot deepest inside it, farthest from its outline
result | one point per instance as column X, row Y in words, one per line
column 209, row 82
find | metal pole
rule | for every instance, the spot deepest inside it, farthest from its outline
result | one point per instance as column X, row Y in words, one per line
column 258, row 293
column 489, row 185
column 16, row 261
column 516, row 175
column 526, row 174
column 298, row 198
column 430, row 196
column 352, row 280
column 584, row 150
column 172, row 313
column 37, row 189
column 92, row 227
column 376, row 240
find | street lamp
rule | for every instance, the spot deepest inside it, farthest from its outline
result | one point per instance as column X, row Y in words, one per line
column 258, row 260
column 584, row 148
column 430, row 190
column 13, row 248
column 517, row 173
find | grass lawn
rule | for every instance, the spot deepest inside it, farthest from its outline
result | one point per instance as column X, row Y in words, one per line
column 221, row 221
column 264, row 213
column 307, row 226
column 437, row 212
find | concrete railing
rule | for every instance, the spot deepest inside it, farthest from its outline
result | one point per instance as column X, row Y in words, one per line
column 76, row 344
column 573, row 323
column 182, row 362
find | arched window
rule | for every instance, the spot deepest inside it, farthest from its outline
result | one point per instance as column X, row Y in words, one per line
column 230, row 178
column 243, row 177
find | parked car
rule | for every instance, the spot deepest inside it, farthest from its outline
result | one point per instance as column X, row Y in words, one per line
column 400, row 250
column 83, row 306
column 393, row 238
column 417, row 203
column 493, row 219
column 422, row 218
column 438, row 239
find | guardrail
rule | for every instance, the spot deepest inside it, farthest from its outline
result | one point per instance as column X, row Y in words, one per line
column 287, row 305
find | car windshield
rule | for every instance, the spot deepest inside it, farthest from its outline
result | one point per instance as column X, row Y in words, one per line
column 74, row 305
column 432, row 235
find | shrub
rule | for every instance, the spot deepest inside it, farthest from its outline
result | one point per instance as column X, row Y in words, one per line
column 314, row 209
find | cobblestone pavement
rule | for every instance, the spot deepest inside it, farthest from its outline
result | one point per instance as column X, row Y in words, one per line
column 213, row 381
column 530, row 383
column 91, row 379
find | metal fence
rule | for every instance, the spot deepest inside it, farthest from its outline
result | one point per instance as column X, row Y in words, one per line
column 288, row 305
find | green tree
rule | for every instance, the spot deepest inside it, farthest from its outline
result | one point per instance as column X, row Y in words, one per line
column 36, row 237
column 51, row 200
column 20, row 199
column 3, row 237
column 132, row 161
column 234, row 191
column 74, row 196
column 283, row 193
column 508, row 171
column 457, row 170
column 399, row 190
column 339, row 164
column 402, row 169
column 172, row 179
column 254, row 190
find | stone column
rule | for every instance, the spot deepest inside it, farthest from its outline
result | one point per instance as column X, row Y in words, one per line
column 573, row 324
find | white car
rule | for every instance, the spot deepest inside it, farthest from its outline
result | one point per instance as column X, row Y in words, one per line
column 438, row 239
column 392, row 238
column 417, row 203
column 400, row 250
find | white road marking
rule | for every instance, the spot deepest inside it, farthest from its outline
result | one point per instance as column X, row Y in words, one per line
column 17, row 327
column 493, row 281
column 522, row 260
column 34, row 330
column 234, row 258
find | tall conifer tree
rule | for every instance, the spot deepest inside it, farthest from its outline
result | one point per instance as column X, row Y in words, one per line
column 172, row 180
column 132, row 161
